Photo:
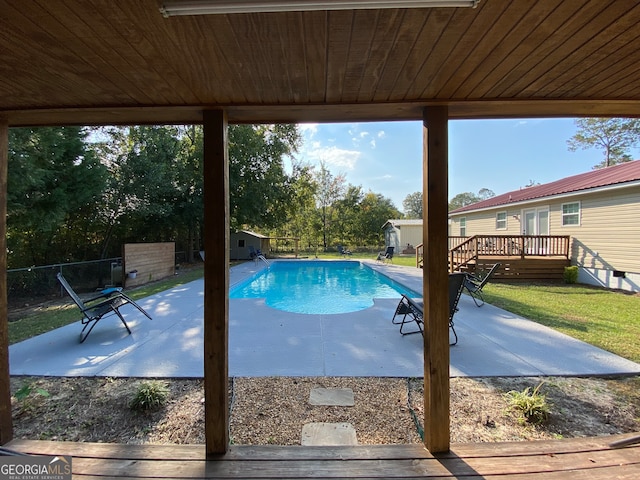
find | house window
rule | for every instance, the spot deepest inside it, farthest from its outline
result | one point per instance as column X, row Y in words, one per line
column 463, row 227
column 501, row 221
column 570, row 214
column 241, row 243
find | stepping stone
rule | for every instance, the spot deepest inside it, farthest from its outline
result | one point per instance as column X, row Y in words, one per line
column 314, row 434
column 342, row 397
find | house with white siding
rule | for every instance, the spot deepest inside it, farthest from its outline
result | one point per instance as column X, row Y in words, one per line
column 600, row 210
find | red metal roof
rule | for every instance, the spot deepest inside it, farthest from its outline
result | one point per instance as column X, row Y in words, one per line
column 603, row 177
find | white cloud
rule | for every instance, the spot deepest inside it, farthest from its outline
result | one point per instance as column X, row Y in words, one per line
column 381, row 134
column 382, row 177
column 528, row 122
column 309, row 129
column 334, row 156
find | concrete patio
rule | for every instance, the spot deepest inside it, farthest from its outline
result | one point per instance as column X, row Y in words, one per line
column 268, row 342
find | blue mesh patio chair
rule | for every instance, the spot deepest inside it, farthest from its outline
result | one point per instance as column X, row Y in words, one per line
column 93, row 309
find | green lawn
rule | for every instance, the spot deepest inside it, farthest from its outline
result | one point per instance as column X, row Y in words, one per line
column 405, row 260
column 604, row 318
column 64, row 312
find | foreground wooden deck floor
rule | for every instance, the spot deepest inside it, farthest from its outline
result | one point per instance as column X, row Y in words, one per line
column 584, row 458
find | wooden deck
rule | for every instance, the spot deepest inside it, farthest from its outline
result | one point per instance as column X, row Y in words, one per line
column 581, row 458
column 517, row 269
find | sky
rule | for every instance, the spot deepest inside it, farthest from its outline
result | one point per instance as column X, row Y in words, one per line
column 501, row 155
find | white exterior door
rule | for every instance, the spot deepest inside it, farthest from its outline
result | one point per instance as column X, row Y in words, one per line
column 529, row 223
column 536, row 222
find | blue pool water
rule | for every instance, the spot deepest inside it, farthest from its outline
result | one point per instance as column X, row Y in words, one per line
column 317, row 287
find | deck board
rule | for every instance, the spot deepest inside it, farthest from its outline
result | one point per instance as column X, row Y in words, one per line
column 578, row 458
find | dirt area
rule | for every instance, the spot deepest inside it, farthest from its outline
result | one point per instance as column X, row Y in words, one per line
column 273, row 410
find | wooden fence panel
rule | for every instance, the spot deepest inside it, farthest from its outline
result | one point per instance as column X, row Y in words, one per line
column 151, row 261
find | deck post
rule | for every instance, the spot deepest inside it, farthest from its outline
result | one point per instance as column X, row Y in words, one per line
column 6, row 425
column 216, row 281
column 435, row 274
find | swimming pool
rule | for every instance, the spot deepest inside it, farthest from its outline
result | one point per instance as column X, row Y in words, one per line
column 319, row 287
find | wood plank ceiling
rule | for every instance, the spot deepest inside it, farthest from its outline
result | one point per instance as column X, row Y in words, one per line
column 101, row 61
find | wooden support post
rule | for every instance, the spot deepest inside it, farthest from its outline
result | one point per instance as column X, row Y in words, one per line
column 435, row 274
column 6, row 425
column 216, row 282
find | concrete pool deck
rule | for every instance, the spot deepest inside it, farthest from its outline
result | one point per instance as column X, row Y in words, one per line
column 268, row 342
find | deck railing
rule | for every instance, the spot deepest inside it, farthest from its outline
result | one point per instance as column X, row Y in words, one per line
column 463, row 250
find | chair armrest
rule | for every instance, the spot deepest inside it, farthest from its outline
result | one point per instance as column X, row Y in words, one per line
column 105, row 293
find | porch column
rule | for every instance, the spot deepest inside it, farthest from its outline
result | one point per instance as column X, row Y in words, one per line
column 435, row 274
column 6, row 425
column 216, row 281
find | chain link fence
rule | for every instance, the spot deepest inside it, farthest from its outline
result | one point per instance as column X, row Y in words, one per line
column 27, row 286
column 33, row 285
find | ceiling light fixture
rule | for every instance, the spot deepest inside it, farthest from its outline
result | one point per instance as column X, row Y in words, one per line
column 210, row 7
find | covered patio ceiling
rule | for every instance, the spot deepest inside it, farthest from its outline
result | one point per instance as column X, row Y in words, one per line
column 106, row 62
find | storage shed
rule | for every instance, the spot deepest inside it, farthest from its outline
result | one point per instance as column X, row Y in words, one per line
column 403, row 234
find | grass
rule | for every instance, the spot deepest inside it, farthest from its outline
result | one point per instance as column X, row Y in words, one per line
column 55, row 316
column 605, row 318
column 404, row 261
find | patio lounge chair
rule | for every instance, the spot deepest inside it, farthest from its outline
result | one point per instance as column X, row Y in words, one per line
column 343, row 251
column 474, row 284
column 93, row 309
column 386, row 256
column 410, row 310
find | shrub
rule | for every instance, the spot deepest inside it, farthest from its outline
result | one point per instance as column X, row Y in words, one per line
column 530, row 405
column 30, row 396
column 151, row 394
column 570, row 274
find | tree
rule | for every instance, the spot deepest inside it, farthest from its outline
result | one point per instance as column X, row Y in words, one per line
column 485, row 193
column 142, row 199
column 55, row 184
column 348, row 212
column 330, row 189
column 467, row 198
column 260, row 193
column 190, row 189
column 302, row 211
column 412, row 205
column 615, row 136
column 375, row 210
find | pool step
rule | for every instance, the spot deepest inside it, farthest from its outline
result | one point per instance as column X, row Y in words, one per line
column 322, row 433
